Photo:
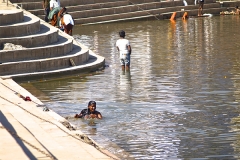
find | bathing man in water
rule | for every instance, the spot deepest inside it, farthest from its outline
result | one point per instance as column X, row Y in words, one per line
column 124, row 48
column 90, row 112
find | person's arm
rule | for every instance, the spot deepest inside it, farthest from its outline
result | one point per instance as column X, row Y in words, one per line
column 129, row 49
column 95, row 115
column 99, row 116
column 51, row 5
column 80, row 115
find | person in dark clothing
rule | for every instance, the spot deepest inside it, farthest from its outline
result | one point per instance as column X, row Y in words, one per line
column 46, row 7
column 90, row 112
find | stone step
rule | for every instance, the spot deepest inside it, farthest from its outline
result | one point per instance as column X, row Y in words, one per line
column 77, row 55
column 94, row 63
column 29, row 25
column 69, row 2
column 139, row 14
column 229, row 3
column 62, row 47
column 46, row 35
column 118, row 9
column 11, row 16
column 83, row 7
column 122, row 9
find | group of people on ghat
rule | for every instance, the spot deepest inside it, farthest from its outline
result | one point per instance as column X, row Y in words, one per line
column 58, row 16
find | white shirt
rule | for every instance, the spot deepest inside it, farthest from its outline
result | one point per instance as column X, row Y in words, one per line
column 67, row 18
column 54, row 3
column 123, row 44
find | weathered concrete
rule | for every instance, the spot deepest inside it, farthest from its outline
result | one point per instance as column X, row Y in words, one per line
column 29, row 25
column 62, row 47
column 28, row 132
column 10, row 16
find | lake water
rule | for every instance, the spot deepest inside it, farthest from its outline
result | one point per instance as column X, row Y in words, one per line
column 180, row 99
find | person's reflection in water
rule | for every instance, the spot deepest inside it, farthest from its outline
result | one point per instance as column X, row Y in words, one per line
column 92, row 131
column 125, row 77
column 125, row 85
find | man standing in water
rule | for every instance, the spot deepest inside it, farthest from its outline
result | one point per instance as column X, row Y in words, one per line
column 124, row 48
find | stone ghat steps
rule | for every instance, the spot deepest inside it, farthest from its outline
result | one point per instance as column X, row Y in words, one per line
column 78, row 56
column 13, row 16
column 40, row 12
column 93, row 63
column 62, row 47
column 93, row 12
column 36, row 7
column 158, row 13
column 30, row 4
column 49, row 51
column 45, row 36
column 123, row 9
column 29, row 25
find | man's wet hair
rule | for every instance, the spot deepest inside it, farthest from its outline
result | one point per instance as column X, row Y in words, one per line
column 91, row 102
column 122, row 33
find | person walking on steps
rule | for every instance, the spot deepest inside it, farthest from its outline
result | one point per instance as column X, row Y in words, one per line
column 124, row 48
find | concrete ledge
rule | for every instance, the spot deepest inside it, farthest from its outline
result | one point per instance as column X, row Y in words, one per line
column 30, row 25
column 124, row 9
column 62, row 47
column 47, row 64
column 11, row 16
column 48, row 132
column 143, row 14
column 44, row 37
column 95, row 62
column 83, row 7
column 229, row 3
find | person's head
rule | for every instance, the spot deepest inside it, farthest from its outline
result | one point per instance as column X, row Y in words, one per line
column 122, row 33
column 91, row 106
column 236, row 7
